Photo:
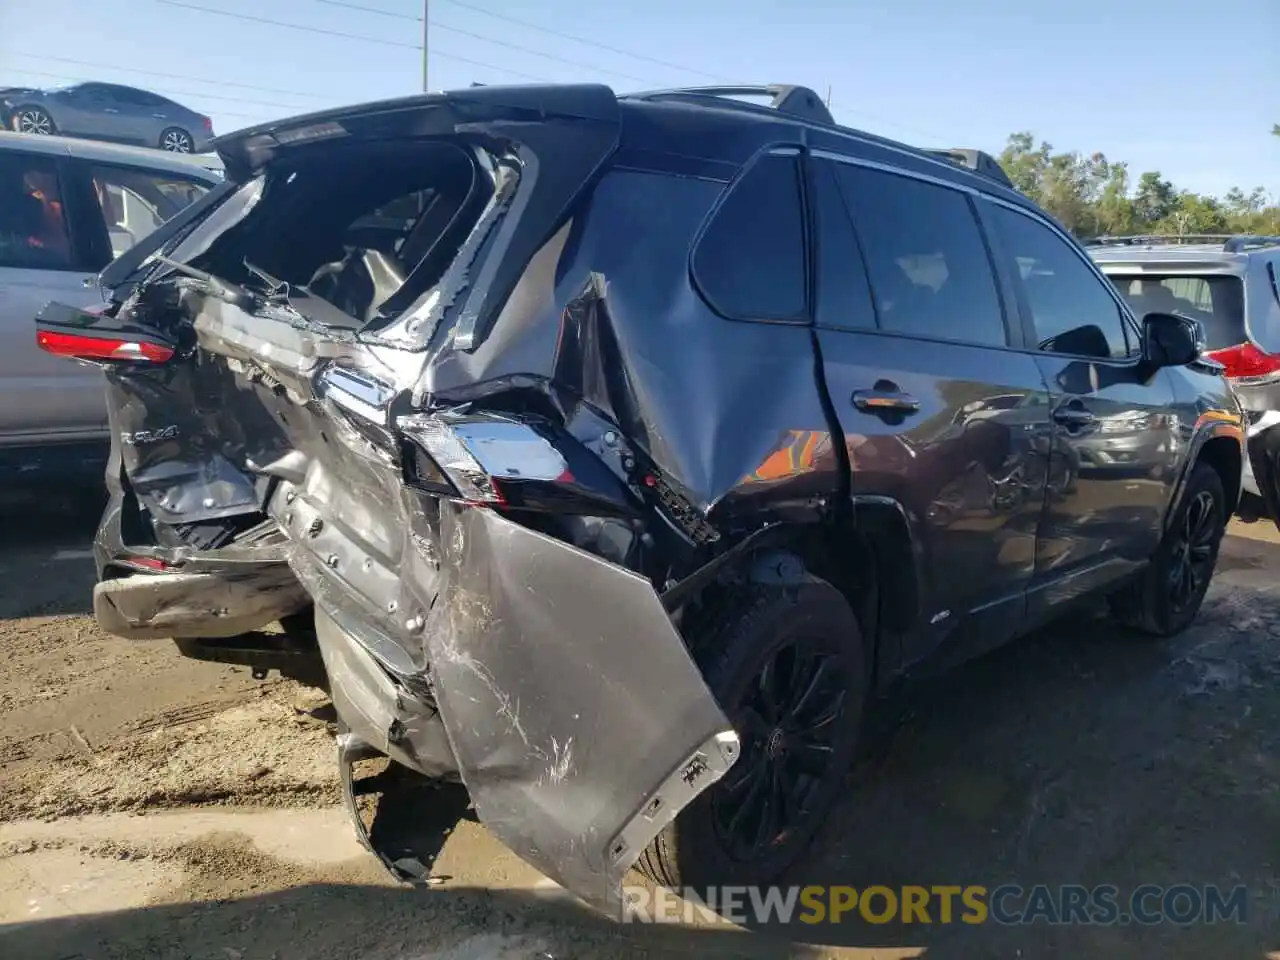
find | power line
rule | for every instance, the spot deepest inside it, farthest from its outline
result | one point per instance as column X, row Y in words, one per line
column 292, row 26
column 169, row 76
column 349, row 36
column 413, row 18
column 363, row 9
column 536, row 53
column 583, row 40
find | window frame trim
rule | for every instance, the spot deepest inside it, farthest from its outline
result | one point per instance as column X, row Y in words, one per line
column 796, row 153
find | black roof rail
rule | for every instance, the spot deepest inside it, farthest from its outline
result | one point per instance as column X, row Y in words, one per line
column 977, row 161
column 803, row 103
column 1146, row 239
column 1231, row 243
column 793, row 100
column 1244, row 242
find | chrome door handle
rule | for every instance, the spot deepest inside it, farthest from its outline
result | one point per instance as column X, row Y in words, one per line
column 110, row 110
column 885, row 401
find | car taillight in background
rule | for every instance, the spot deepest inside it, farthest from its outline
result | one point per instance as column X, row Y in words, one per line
column 1246, row 362
column 208, row 124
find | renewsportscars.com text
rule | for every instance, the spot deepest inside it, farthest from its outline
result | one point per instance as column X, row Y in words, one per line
column 1009, row 904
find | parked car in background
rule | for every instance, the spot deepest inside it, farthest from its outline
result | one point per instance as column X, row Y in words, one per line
column 620, row 448
column 67, row 208
column 1231, row 286
column 106, row 111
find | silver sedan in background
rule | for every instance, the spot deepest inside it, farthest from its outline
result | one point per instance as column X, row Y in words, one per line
column 107, row 111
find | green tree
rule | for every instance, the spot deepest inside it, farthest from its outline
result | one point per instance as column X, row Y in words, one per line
column 1154, row 200
column 1094, row 196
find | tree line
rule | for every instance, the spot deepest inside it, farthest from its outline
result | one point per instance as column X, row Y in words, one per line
column 1093, row 196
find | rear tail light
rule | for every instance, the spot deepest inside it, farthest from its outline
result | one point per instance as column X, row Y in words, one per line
column 81, row 346
column 208, row 124
column 473, row 458
column 1246, row 362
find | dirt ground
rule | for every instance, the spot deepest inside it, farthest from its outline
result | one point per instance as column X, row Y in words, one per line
column 151, row 806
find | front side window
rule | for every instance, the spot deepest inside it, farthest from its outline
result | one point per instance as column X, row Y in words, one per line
column 135, row 202
column 33, row 222
column 928, row 265
column 1071, row 308
column 750, row 260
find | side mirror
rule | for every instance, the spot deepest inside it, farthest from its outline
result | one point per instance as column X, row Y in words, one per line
column 1169, row 340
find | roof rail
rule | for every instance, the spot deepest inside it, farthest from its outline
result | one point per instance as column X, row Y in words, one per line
column 1231, row 243
column 977, row 161
column 795, row 101
column 1245, row 242
column 805, row 104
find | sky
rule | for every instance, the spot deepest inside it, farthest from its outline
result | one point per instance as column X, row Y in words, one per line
column 1186, row 87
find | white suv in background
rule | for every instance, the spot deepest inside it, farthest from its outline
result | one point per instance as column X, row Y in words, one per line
column 67, row 208
column 1231, row 285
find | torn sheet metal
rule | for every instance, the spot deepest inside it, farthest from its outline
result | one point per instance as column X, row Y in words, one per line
column 580, row 723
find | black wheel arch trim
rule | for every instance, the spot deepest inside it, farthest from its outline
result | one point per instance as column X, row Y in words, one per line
column 1203, row 434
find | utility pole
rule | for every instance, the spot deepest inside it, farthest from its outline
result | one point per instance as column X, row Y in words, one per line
column 426, row 29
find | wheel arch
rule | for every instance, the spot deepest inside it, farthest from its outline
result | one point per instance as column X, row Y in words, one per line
column 870, row 554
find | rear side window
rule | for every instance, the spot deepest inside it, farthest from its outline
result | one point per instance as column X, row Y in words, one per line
column 134, row 202
column 33, row 221
column 1216, row 302
column 750, row 261
column 927, row 261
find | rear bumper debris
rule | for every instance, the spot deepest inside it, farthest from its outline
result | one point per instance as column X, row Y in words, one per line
column 178, row 605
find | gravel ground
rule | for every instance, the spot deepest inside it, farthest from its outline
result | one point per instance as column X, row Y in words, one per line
column 151, row 806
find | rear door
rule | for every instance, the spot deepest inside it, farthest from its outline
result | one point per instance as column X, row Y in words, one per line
column 1111, row 419
column 937, row 411
column 43, row 257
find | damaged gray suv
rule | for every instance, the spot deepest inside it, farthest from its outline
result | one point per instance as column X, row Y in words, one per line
column 606, row 454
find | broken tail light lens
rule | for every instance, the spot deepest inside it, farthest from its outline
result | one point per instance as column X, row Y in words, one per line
column 472, row 458
column 1246, row 362
column 80, row 346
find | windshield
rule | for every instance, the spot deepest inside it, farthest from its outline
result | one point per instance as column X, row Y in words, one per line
column 1216, row 301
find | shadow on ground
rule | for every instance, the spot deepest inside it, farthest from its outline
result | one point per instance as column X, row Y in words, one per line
column 1083, row 755
column 45, row 537
column 349, row 922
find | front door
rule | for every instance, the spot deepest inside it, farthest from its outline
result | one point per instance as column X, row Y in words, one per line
column 936, row 410
column 1114, row 438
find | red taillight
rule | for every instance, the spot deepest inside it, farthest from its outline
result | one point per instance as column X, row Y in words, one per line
column 147, row 563
column 1245, row 361
column 83, row 347
column 208, row 124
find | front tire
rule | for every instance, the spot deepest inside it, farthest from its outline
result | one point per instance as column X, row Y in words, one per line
column 789, row 670
column 34, row 120
column 177, row 140
column 1167, row 596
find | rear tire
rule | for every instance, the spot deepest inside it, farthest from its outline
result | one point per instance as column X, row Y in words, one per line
column 777, row 644
column 34, row 120
column 1166, row 597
